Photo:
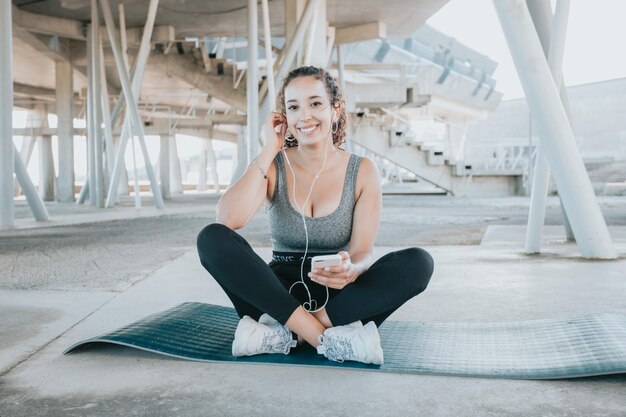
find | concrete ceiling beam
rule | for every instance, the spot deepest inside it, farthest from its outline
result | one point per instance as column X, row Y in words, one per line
column 54, row 48
column 359, row 33
column 204, row 121
column 49, row 25
column 182, row 128
column 160, row 34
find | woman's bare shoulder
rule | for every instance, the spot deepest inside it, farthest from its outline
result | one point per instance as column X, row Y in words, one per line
column 368, row 176
column 368, row 168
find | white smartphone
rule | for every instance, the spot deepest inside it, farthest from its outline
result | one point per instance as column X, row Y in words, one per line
column 322, row 261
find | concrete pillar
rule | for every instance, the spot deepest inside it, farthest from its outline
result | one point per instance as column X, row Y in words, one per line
column 46, row 168
column 164, row 166
column 65, row 130
column 105, row 106
column 293, row 12
column 202, row 165
column 342, row 85
column 267, row 36
column 176, row 180
column 341, row 69
column 252, row 80
column 127, row 88
column 39, row 120
column 28, row 145
column 210, row 153
column 572, row 181
column 34, row 121
column 122, row 188
column 95, row 84
column 242, row 155
column 552, row 38
column 315, row 52
column 295, row 38
column 91, row 124
column 7, row 206
column 35, row 203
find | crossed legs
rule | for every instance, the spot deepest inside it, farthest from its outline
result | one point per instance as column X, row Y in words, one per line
column 254, row 288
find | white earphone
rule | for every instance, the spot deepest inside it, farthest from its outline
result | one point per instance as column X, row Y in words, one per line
column 310, row 305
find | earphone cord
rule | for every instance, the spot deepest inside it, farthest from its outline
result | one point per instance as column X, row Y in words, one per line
column 311, row 303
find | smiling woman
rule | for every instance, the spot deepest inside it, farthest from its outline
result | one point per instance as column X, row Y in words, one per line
column 328, row 94
column 327, row 202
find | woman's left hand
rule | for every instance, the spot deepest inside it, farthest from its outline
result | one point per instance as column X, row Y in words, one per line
column 336, row 276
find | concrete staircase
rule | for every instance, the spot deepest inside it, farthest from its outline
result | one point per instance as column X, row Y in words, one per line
column 194, row 66
column 607, row 177
column 428, row 161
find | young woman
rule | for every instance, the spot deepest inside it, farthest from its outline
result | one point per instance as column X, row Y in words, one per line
column 321, row 200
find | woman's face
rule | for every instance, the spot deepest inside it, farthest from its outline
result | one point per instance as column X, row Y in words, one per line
column 308, row 109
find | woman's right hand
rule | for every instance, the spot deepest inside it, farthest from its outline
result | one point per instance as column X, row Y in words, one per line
column 275, row 129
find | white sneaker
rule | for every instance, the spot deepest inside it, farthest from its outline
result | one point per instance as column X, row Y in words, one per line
column 267, row 319
column 353, row 342
column 266, row 336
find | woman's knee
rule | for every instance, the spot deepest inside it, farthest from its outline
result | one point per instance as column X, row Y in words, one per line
column 421, row 265
column 212, row 236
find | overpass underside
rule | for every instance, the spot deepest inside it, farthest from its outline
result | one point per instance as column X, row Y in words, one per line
column 132, row 70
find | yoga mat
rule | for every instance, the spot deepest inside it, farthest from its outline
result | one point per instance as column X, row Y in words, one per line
column 537, row 349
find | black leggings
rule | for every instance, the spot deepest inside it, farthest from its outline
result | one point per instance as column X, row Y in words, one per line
column 255, row 287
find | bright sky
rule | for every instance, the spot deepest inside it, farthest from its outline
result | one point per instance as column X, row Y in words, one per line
column 594, row 45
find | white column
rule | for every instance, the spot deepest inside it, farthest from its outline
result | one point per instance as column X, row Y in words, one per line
column 123, row 188
column 106, row 115
column 269, row 56
column 202, row 165
column 97, row 104
column 315, row 53
column 39, row 120
column 252, row 80
column 65, row 130
column 552, row 37
column 46, row 168
column 28, row 142
column 210, row 153
column 293, row 14
column 119, row 168
column 176, row 179
column 164, row 165
column 7, row 206
column 341, row 69
column 91, row 123
column 573, row 184
column 242, row 159
column 26, row 152
column 294, row 44
column 35, row 203
column 133, row 111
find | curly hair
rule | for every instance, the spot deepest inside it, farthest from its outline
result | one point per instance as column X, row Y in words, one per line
column 334, row 94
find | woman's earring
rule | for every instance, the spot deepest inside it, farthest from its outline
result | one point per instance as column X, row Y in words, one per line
column 334, row 128
column 290, row 138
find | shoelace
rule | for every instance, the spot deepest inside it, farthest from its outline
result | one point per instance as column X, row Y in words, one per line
column 279, row 341
column 336, row 348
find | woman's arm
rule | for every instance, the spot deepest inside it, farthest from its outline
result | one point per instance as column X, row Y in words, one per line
column 366, row 217
column 365, row 222
column 244, row 198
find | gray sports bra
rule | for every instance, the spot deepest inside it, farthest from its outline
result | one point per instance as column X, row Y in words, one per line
column 327, row 234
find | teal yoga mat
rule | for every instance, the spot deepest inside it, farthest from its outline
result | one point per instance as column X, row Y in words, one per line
column 538, row 349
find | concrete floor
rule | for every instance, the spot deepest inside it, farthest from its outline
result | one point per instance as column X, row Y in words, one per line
column 96, row 270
